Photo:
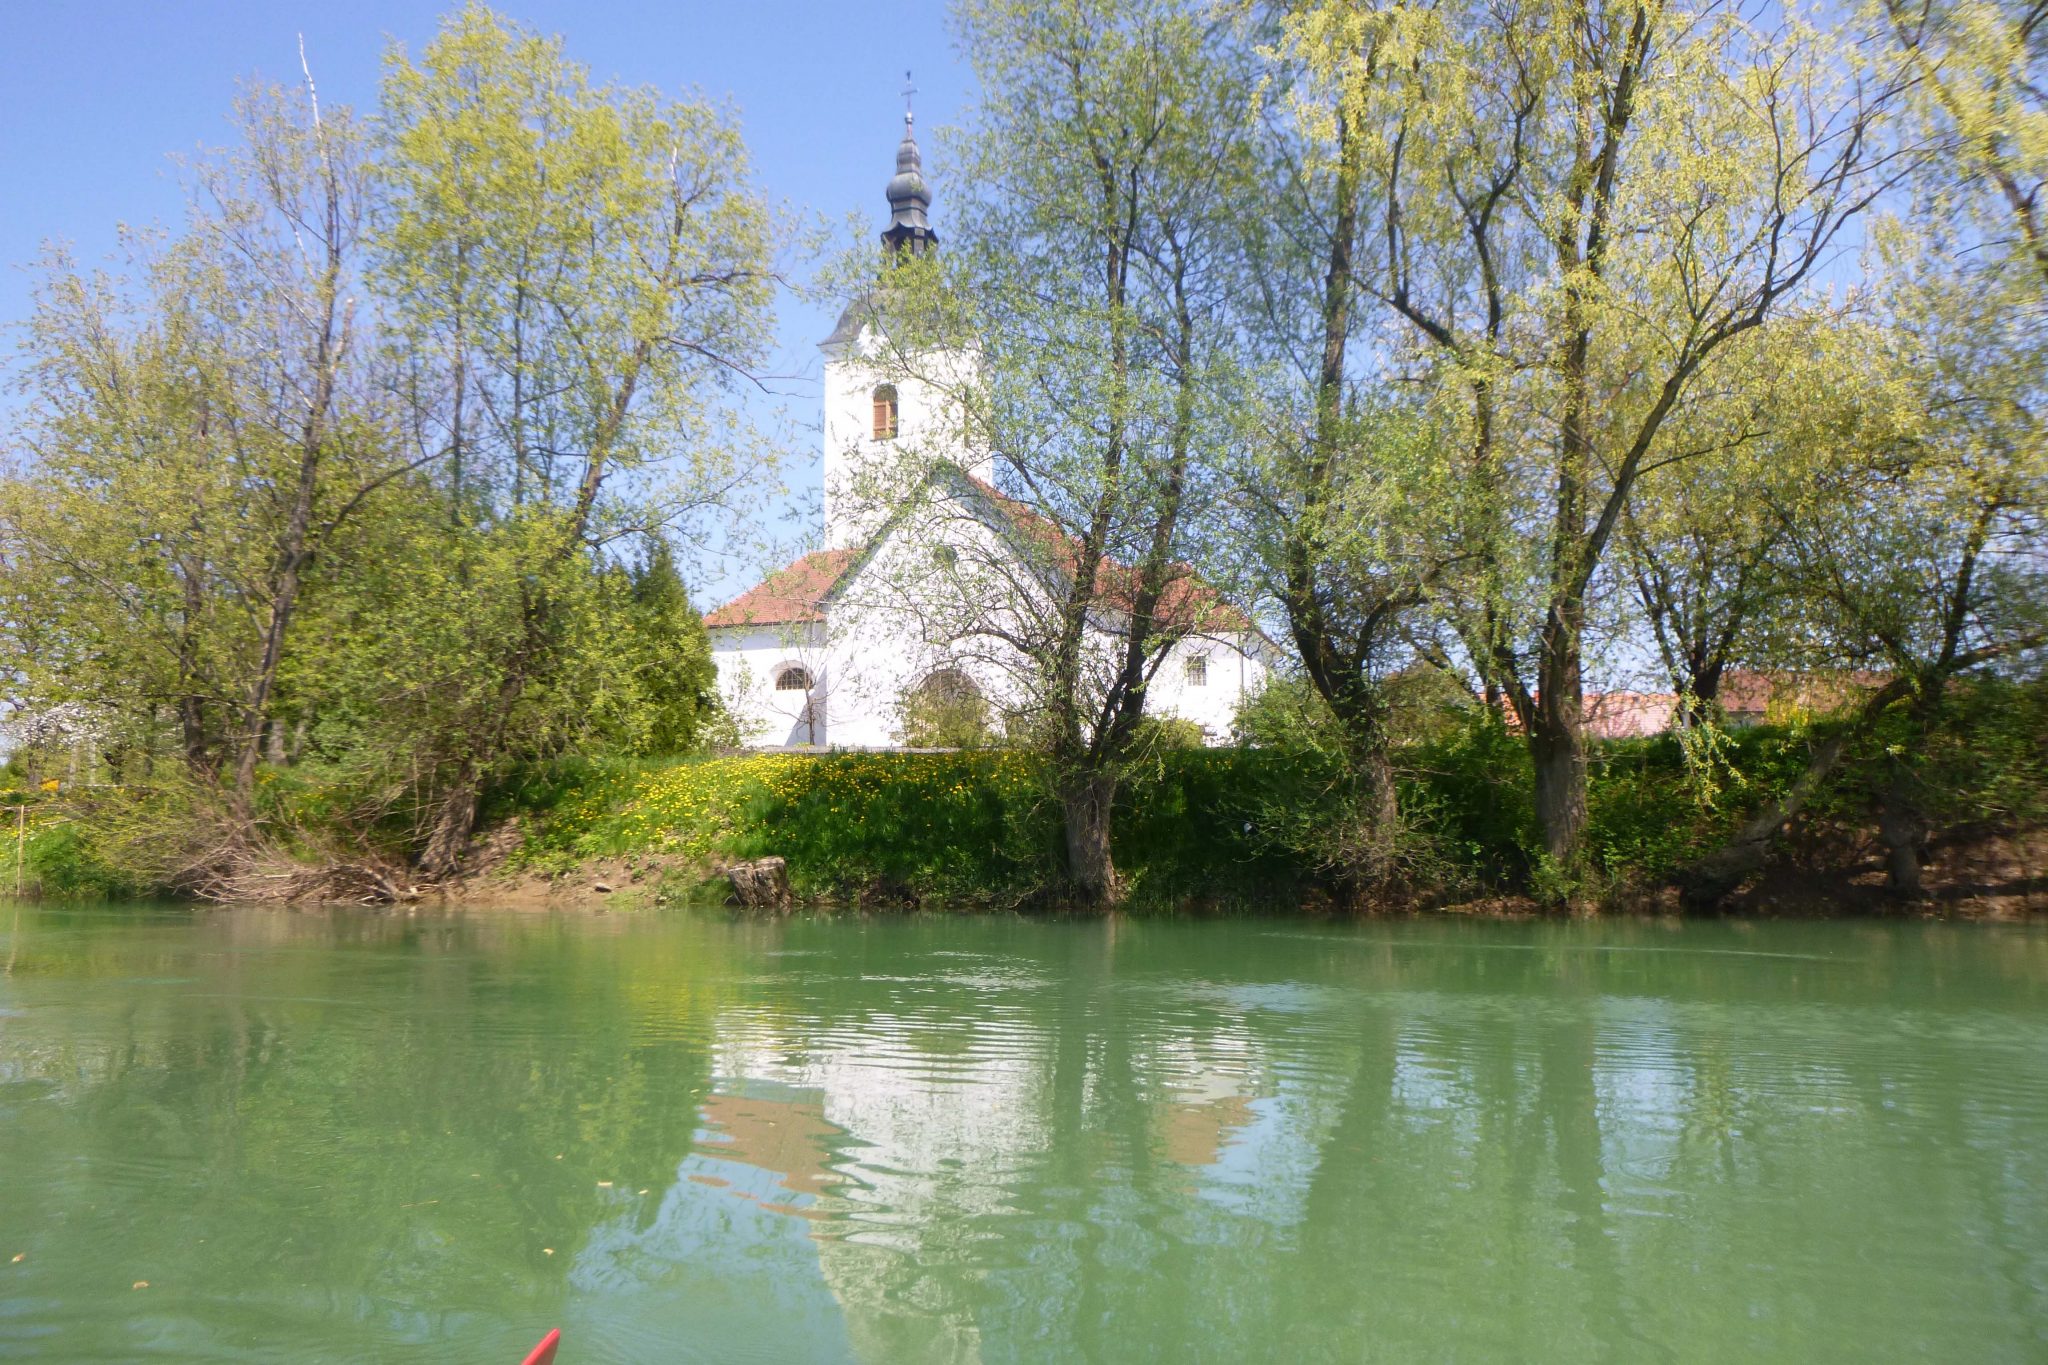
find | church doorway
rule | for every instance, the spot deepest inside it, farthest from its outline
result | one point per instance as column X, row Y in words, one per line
column 946, row 711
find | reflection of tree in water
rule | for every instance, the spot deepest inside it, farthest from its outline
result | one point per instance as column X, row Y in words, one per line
column 401, row 1112
column 937, row 1140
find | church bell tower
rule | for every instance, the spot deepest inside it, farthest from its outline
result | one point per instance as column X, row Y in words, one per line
column 873, row 418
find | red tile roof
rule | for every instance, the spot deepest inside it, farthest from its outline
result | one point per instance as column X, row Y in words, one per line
column 1186, row 601
column 797, row 594
column 787, row 596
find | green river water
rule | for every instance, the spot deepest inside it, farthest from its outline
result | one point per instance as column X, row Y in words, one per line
column 363, row 1136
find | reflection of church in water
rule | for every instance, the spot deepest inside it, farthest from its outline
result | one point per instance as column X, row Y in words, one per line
column 834, row 648
column 848, row 1187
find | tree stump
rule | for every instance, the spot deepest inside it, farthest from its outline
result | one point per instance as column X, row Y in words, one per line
column 760, row 885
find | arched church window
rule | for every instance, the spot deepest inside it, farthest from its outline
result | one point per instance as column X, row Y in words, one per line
column 793, row 680
column 1198, row 670
column 885, row 412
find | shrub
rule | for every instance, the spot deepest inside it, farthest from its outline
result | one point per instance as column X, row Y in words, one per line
column 58, row 860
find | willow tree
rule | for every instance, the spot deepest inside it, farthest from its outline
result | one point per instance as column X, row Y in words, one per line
column 1980, row 76
column 1579, row 207
column 1088, row 253
column 1707, row 545
column 1347, row 497
column 1932, row 565
column 196, row 437
column 579, row 272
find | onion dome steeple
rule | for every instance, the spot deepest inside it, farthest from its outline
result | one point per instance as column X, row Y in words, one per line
column 910, row 198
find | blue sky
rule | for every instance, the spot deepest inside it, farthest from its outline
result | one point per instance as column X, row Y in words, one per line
column 94, row 96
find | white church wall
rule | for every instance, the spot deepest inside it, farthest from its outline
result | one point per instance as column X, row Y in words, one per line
column 889, row 631
column 896, row 620
column 1231, row 672
column 905, row 614
column 750, row 659
column 857, row 466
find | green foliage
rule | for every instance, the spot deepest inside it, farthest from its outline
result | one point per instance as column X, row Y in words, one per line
column 51, row 854
column 1284, row 714
column 1469, row 799
column 63, row 864
column 1155, row 735
column 967, row 825
column 340, row 475
column 1208, row 827
column 1648, row 814
column 1989, row 764
column 1221, row 827
column 671, row 665
column 1982, row 762
column 969, row 828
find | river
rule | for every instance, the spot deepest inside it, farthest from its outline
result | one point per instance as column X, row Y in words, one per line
column 260, row 1135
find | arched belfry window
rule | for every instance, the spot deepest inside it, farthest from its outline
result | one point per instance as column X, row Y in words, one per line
column 885, row 412
column 793, row 680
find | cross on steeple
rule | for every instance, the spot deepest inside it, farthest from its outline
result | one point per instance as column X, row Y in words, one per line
column 909, row 89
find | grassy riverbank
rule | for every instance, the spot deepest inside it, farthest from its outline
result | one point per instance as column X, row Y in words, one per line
column 1216, row 828
column 1248, row 829
column 1252, row 828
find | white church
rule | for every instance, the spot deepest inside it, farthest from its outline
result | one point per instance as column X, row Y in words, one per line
column 920, row 613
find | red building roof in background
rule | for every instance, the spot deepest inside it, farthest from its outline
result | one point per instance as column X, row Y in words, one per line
column 1745, row 696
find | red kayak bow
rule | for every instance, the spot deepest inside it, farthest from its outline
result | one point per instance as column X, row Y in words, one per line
column 544, row 1354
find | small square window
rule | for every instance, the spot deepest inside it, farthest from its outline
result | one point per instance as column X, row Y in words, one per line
column 1198, row 670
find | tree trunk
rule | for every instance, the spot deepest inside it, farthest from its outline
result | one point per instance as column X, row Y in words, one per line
column 1557, row 745
column 192, row 735
column 191, row 705
column 1707, row 882
column 453, row 822
column 1086, row 802
column 1703, row 885
column 1903, row 827
column 1369, row 862
column 762, row 884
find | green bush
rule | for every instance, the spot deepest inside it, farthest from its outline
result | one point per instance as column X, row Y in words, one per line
column 59, row 862
column 1654, row 805
column 944, row 825
column 1237, row 826
column 970, row 826
column 1216, row 826
column 1468, row 797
